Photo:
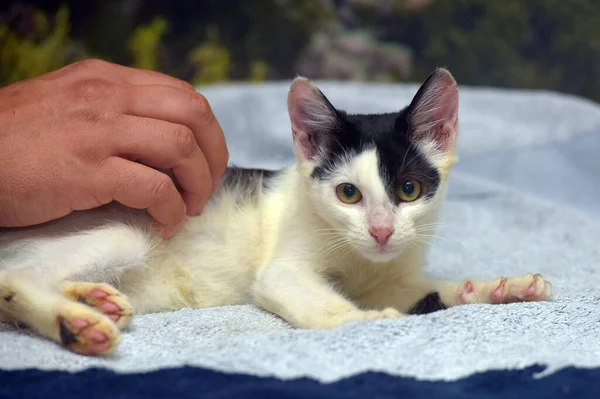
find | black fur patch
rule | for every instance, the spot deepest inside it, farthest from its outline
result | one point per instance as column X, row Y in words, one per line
column 429, row 304
column 246, row 183
column 67, row 337
column 390, row 135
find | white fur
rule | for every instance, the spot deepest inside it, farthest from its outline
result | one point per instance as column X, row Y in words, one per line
column 354, row 220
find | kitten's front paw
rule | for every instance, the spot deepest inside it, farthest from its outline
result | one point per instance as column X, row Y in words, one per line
column 528, row 288
column 337, row 319
column 102, row 297
column 85, row 331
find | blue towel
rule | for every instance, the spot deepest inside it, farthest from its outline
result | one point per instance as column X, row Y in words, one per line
column 191, row 382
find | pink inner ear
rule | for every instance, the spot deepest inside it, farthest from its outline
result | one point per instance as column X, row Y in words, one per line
column 309, row 114
column 435, row 116
column 300, row 93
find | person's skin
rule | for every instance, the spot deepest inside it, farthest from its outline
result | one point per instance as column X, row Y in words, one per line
column 70, row 139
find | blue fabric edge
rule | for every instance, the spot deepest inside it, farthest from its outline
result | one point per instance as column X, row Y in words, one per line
column 195, row 382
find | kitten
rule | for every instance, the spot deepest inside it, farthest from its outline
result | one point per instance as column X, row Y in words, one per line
column 332, row 239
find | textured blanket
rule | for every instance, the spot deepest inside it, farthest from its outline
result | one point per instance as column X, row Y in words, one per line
column 524, row 197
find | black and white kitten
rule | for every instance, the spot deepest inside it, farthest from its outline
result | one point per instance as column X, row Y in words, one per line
column 335, row 238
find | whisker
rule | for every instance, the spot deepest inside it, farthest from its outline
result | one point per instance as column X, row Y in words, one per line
column 413, row 158
column 338, row 246
column 405, row 154
column 448, row 240
column 331, row 243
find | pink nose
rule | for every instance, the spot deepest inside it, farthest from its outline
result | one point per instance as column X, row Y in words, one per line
column 381, row 234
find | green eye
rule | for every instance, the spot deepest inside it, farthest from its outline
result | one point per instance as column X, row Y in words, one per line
column 348, row 193
column 409, row 190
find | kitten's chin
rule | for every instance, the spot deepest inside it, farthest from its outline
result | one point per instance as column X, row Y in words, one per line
column 381, row 255
column 377, row 254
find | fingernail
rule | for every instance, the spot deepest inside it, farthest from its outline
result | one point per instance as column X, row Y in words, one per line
column 195, row 212
column 199, row 211
column 168, row 231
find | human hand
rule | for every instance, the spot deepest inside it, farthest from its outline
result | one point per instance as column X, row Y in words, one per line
column 70, row 139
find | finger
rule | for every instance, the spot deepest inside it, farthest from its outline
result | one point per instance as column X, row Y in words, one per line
column 141, row 187
column 167, row 145
column 186, row 108
column 146, row 77
column 94, row 68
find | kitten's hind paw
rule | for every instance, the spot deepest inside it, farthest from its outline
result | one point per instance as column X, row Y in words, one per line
column 85, row 331
column 102, row 297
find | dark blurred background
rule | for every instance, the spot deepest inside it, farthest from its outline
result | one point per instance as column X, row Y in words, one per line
column 533, row 44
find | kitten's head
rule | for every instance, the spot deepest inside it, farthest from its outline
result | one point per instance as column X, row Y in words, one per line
column 376, row 178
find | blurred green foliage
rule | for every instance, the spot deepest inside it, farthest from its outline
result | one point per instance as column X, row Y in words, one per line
column 259, row 71
column 211, row 59
column 47, row 47
column 549, row 44
column 145, row 42
column 263, row 37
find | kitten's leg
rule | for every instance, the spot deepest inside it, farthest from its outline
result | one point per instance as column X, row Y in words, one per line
column 100, row 254
column 102, row 297
column 74, row 325
column 413, row 294
column 443, row 294
column 303, row 298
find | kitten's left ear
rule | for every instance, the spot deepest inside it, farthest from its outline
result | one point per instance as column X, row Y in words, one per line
column 314, row 119
column 434, row 110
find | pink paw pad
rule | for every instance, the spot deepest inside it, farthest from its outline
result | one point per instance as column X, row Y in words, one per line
column 98, row 294
column 467, row 290
column 96, row 342
column 109, row 307
column 79, row 323
column 531, row 291
column 104, row 304
column 82, row 336
column 95, row 336
column 498, row 294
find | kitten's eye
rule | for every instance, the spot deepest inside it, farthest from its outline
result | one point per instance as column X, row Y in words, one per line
column 409, row 190
column 348, row 193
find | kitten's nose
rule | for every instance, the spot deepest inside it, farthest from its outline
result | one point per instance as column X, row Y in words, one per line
column 381, row 234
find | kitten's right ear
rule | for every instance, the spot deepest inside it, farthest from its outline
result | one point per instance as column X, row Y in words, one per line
column 434, row 110
column 314, row 119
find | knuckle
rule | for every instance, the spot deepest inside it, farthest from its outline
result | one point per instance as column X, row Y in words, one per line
column 185, row 140
column 161, row 186
column 185, row 85
column 91, row 63
column 91, row 89
column 201, row 106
